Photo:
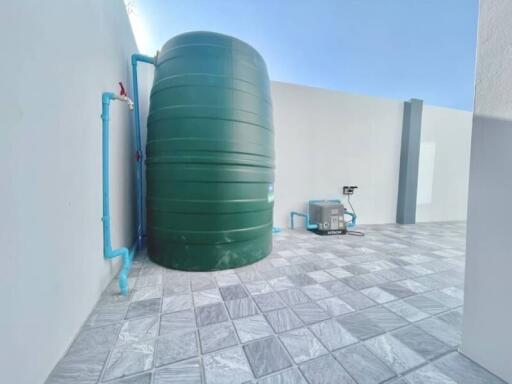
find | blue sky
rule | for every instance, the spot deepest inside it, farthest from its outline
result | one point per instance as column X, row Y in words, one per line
column 391, row 48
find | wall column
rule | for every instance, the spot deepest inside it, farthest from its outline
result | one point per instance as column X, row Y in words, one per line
column 409, row 162
column 487, row 325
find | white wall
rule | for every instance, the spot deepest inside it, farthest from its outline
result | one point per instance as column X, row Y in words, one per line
column 58, row 57
column 487, row 330
column 444, row 164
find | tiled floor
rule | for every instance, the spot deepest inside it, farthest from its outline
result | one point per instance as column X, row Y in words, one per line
column 384, row 308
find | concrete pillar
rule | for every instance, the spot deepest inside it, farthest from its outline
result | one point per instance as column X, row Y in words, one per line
column 487, row 327
column 409, row 162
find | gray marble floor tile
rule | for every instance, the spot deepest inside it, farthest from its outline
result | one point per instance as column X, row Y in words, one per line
column 384, row 318
column 293, row 296
column 433, row 281
column 144, row 378
column 269, row 301
column 397, row 290
column 421, row 342
column 426, row 304
column 334, row 306
column 175, row 303
column 378, row 295
column 462, row 370
column 177, row 321
column 96, row 339
column 228, row 366
column 325, row 370
column 252, row 328
column 79, row 368
column 147, row 293
column 316, row 292
column 148, row 280
column 283, row 320
column 310, row 312
column 428, row 375
column 175, row 346
column 357, row 300
column 301, row 279
column 266, row 356
column 440, row 330
column 417, row 270
column 281, row 283
column 289, row 376
column 395, row 354
column 174, row 288
column 138, row 329
column 106, row 315
column 226, row 277
column 302, row 345
column 332, row 335
column 336, row 287
column 211, row 314
column 184, row 372
column 452, row 318
column 407, row 311
column 217, row 336
column 143, row 308
column 445, row 299
column 320, row 277
column 454, row 292
column 398, row 381
column 362, row 365
column 129, row 359
column 241, row 307
column 232, row 292
column 248, row 274
column 360, row 326
column 394, row 274
column 258, row 287
column 202, row 281
column 355, row 269
column 364, row 281
column 207, row 296
column 338, row 273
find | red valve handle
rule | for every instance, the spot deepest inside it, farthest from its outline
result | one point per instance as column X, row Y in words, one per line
column 122, row 92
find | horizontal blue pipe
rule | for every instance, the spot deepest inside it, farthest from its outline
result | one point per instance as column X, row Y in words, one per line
column 136, row 57
column 109, row 253
column 306, row 220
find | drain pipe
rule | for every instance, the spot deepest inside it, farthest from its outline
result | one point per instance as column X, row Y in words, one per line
column 109, row 253
column 138, row 144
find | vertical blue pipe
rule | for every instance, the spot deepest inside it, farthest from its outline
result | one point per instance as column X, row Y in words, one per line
column 138, row 144
column 109, row 253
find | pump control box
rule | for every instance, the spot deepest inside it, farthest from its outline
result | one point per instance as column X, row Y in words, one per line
column 328, row 216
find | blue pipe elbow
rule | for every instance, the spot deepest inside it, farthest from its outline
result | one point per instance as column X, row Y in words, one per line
column 352, row 223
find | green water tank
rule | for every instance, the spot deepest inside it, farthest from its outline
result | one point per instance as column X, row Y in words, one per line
column 210, row 155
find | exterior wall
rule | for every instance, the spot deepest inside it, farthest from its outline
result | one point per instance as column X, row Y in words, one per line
column 487, row 334
column 444, row 164
column 326, row 139
column 59, row 56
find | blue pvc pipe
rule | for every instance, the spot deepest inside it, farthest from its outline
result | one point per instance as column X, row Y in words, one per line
column 109, row 253
column 352, row 223
column 306, row 220
column 138, row 146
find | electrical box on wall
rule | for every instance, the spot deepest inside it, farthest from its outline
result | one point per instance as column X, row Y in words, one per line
column 349, row 189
